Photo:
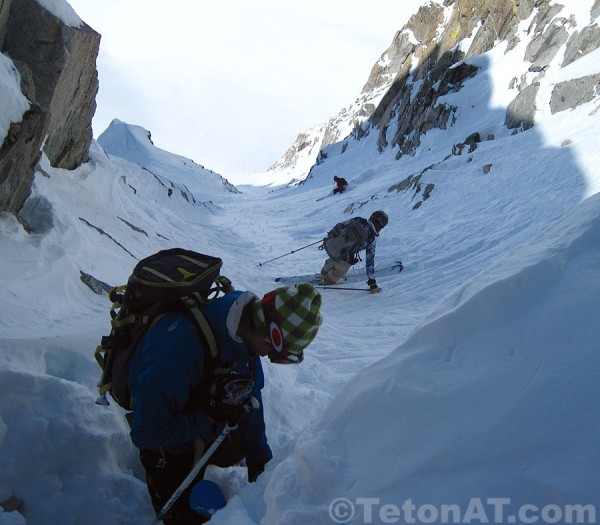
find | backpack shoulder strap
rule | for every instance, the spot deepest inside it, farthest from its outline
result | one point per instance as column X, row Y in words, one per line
column 204, row 329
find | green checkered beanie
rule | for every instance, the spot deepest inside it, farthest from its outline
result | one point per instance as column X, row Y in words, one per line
column 297, row 314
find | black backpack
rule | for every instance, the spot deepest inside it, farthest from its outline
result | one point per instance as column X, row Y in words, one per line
column 170, row 280
column 343, row 242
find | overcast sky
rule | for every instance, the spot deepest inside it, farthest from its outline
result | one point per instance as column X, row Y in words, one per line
column 230, row 84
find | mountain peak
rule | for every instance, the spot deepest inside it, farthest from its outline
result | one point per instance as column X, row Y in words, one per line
column 127, row 141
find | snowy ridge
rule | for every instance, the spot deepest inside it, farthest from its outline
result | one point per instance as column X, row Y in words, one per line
column 134, row 144
column 300, row 157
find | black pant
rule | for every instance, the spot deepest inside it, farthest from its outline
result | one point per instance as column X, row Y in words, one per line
column 165, row 472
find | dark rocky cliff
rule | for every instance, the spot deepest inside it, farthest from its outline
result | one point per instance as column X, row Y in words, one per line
column 57, row 65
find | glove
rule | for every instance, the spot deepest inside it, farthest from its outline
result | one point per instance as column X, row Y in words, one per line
column 254, row 471
column 227, row 395
column 373, row 286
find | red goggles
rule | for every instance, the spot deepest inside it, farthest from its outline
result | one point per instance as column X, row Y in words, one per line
column 279, row 354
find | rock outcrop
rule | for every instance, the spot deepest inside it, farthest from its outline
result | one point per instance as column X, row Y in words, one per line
column 57, row 64
column 428, row 59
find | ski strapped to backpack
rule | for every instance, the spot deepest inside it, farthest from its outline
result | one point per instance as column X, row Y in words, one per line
column 175, row 280
column 344, row 240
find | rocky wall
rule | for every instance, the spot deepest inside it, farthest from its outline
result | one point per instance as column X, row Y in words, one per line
column 57, row 63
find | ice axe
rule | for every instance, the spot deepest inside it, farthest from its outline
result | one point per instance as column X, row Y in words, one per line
column 250, row 404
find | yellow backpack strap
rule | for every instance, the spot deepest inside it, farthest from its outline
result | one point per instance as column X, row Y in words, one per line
column 201, row 321
column 99, row 355
column 115, row 295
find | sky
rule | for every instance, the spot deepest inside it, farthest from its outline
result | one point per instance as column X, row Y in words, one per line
column 467, row 389
column 231, row 84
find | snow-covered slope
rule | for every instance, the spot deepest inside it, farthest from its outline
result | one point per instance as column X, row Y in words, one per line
column 487, row 410
column 467, row 386
column 134, row 143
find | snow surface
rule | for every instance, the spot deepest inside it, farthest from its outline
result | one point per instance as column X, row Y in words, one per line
column 14, row 103
column 467, row 390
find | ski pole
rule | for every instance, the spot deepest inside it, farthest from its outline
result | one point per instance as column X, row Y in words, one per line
column 340, row 288
column 249, row 404
column 290, row 253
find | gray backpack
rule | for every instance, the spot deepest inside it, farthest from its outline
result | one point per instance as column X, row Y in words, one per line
column 344, row 241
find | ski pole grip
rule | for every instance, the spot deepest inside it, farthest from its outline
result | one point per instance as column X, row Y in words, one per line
column 251, row 403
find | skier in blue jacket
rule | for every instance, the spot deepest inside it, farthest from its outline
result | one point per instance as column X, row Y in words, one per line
column 174, row 382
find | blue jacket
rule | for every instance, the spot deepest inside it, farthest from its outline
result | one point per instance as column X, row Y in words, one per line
column 169, row 364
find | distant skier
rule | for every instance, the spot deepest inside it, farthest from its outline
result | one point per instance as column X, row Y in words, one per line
column 344, row 242
column 341, row 183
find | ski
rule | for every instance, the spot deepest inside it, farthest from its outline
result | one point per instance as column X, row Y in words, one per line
column 353, row 276
column 331, row 194
column 312, row 278
column 324, row 197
